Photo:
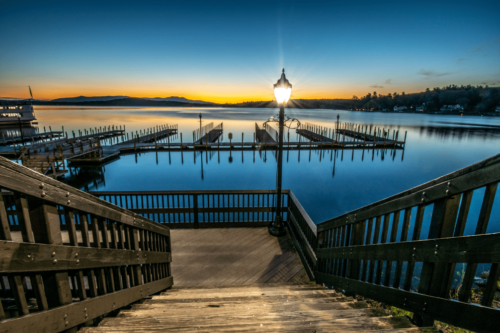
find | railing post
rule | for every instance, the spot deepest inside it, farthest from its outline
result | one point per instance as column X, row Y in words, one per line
column 195, row 211
column 46, row 229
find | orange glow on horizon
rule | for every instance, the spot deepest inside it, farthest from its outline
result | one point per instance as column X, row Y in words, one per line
column 216, row 94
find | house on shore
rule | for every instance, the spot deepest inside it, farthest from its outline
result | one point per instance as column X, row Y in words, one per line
column 450, row 108
column 497, row 109
column 399, row 108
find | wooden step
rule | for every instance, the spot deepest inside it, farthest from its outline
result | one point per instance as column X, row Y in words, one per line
column 253, row 308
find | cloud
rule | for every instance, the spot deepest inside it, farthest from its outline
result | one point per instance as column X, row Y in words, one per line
column 376, row 86
column 491, row 42
column 388, row 81
column 429, row 74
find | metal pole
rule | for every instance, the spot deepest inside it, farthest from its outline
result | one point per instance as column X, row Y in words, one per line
column 276, row 228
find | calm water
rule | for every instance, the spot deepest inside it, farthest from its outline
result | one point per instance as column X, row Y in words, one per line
column 327, row 183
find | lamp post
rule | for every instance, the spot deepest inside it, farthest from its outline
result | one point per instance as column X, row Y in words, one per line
column 282, row 92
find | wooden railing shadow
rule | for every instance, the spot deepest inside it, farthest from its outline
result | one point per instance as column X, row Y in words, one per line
column 53, row 280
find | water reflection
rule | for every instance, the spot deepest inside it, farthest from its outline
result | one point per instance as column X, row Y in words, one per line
column 460, row 132
column 327, row 182
column 87, row 178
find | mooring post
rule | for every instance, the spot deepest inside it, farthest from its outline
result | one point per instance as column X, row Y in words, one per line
column 181, row 141
column 156, row 145
column 241, row 140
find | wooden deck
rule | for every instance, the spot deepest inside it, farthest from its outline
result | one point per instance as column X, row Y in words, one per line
column 254, row 308
column 233, row 256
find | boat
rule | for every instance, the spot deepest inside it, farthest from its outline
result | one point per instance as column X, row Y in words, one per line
column 19, row 112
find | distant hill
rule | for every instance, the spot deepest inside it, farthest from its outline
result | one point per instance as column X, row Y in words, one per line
column 87, row 99
column 83, row 99
column 126, row 101
column 178, row 99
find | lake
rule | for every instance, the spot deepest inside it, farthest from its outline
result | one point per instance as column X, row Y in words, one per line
column 327, row 183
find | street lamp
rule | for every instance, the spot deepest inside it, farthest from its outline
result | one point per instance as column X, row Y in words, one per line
column 282, row 92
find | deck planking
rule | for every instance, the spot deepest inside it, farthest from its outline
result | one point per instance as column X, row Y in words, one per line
column 233, row 256
column 283, row 307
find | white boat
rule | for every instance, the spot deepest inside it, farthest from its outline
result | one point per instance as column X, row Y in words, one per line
column 15, row 112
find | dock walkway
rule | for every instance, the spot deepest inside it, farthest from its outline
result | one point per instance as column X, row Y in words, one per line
column 315, row 137
column 367, row 137
column 233, row 256
column 211, row 136
column 262, row 135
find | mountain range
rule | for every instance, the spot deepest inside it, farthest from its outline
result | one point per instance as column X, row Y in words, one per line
column 121, row 100
column 81, row 99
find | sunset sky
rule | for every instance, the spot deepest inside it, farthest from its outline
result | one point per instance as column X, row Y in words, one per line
column 232, row 51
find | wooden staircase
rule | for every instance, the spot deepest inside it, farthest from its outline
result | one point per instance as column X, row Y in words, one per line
column 253, row 308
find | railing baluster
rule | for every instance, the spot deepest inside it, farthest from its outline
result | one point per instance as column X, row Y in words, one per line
column 24, row 217
column 4, row 221
column 383, row 240
column 404, row 236
column 367, row 242
column 482, row 225
column 463, row 213
column 16, row 285
column 416, row 236
column 394, row 232
column 84, row 229
column 70, row 225
column 37, row 285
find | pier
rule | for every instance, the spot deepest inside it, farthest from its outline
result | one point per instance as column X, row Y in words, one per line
column 315, row 134
column 203, row 260
column 209, row 134
column 101, row 145
column 263, row 136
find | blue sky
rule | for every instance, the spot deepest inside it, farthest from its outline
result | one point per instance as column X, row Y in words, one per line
column 229, row 51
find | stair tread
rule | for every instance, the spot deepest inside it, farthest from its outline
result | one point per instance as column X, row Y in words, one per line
column 274, row 307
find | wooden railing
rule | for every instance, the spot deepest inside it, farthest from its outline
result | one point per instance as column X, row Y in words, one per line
column 60, row 272
column 303, row 232
column 205, row 209
column 368, row 252
column 211, row 209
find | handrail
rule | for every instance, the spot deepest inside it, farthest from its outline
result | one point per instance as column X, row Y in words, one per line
column 64, row 271
column 205, row 209
column 303, row 232
column 357, row 251
column 489, row 161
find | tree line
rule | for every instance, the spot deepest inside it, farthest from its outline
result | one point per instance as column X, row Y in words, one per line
column 473, row 99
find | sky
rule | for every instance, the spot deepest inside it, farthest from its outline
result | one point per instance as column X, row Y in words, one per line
column 233, row 51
